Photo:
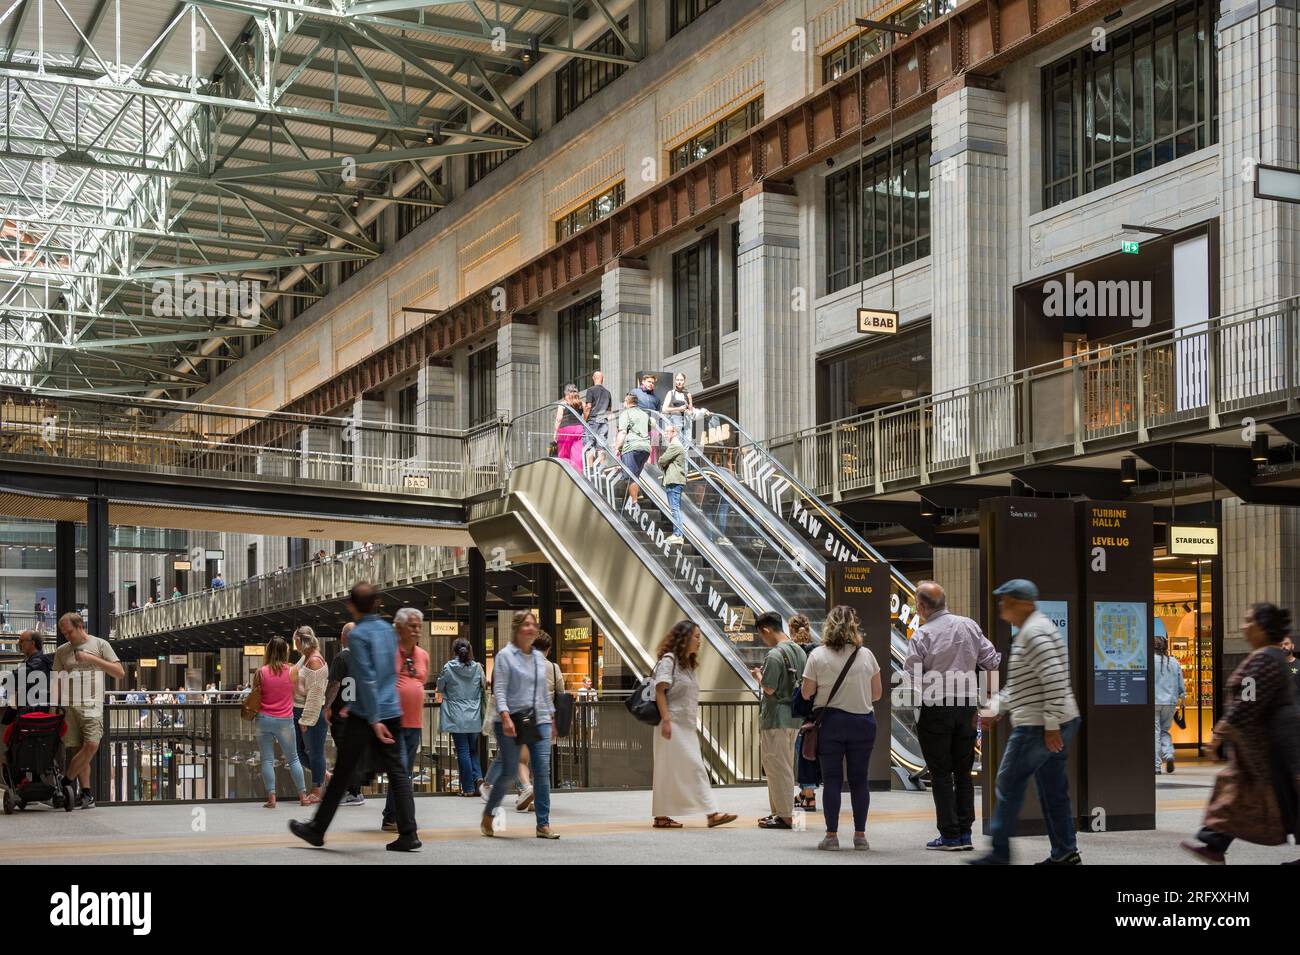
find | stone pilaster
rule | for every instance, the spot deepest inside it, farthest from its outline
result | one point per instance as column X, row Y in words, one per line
column 519, row 366
column 366, row 441
column 774, row 338
column 626, row 325
column 957, row 571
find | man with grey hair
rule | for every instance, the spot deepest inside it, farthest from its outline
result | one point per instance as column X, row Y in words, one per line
column 942, row 661
column 412, row 674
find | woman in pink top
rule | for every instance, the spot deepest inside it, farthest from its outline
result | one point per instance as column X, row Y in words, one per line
column 275, row 719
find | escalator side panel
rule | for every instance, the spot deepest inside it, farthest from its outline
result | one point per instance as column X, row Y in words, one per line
column 607, row 575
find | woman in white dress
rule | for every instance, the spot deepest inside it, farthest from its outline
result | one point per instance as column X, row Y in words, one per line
column 681, row 783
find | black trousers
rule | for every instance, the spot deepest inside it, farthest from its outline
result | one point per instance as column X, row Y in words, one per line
column 947, row 738
column 336, row 733
column 357, row 740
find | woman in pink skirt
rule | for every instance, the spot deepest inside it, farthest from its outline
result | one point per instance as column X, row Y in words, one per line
column 568, row 427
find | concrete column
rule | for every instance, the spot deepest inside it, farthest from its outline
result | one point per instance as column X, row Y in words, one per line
column 957, row 571
column 972, row 336
column 1258, row 72
column 626, row 325
column 774, row 338
column 436, row 408
column 1259, row 242
column 367, row 444
column 320, row 460
column 519, row 366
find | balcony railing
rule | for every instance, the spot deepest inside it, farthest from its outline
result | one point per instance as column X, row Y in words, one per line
column 210, row 441
column 1176, row 382
column 330, row 579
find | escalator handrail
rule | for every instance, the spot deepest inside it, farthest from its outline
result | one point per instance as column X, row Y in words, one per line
column 827, row 512
column 721, row 640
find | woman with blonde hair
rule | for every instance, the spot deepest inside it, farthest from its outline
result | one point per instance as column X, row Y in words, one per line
column 277, row 679
column 522, row 720
column 310, row 678
column 681, row 781
column 842, row 678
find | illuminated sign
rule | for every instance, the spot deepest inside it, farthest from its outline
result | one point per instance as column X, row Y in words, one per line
column 147, row 662
column 180, row 658
column 1131, row 248
column 877, row 321
column 1274, row 182
column 577, row 634
column 254, row 650
column 443, row 628
column 1194, row 541
column 181, row 565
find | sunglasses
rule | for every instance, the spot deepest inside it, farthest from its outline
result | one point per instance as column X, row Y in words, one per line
column 410, row 665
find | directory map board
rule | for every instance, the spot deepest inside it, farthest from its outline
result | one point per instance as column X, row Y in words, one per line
column 1119, row 652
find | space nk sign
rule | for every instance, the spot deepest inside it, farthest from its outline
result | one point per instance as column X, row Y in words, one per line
column 877, row 321
column 1193, row 541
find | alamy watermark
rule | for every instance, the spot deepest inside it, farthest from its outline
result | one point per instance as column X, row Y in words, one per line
column 209, row 298
column 1085, row 298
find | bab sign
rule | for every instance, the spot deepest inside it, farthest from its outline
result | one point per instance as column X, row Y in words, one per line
column 877, row 321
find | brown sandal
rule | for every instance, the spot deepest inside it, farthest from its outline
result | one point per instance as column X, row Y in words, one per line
column 664, row 822
column 721, row 819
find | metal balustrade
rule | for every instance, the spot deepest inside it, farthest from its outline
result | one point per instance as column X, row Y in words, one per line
column 1176, row 382
column 209, row 441
column 295, row 587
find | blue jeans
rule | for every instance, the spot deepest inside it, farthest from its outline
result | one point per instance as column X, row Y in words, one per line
column 1027, row 756
column 846, row 738
column 467, row 758
column 506, row 767
column 408, row 742
column 311, row 745
column 675, row 505
column 270, row 730
column 1164, row 742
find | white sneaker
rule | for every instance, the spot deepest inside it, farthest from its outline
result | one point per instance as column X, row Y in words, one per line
column 485, row 791
column 524, row 801
column 675, row 539
column 351, row 800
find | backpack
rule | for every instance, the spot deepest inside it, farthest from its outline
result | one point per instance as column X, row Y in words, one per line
column 792, row 673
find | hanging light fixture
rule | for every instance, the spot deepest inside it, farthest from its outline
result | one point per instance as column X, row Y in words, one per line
column 1128, row 471
column 1259, row 449
column 927, row 508
column 356, row 201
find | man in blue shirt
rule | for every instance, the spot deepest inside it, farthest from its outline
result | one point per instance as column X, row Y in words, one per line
column 651, row 404
column 374, row 722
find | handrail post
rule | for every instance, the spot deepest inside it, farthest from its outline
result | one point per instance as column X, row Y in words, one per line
column 835, row 461
column 875, row 453
column 1288, row 339
column 1026, row 418
column 922, row 446
column 1212, row 374
column 1076, row 387
column 1142, row 392
column 972, row 429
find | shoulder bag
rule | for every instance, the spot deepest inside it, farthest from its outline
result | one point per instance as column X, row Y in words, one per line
column 643, row 703
column 252, row 704
column 811, row 727
column 527, row 730
column 563, row 701
column 798, row 705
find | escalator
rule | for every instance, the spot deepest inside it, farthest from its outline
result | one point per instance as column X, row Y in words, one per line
column 740, row 558
column 811, row 535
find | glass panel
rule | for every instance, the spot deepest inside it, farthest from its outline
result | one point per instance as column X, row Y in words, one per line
column 1142, row 95
column 1102, row 115
column 1123, row 106
column 1186, row 78
column 1164, row 87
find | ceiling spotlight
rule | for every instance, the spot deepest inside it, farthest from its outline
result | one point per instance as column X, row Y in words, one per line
column 1259, row 449
column 830, row 160
column 356, row 200
column 1128, row 471
column 434, row 135
column 300, row 248
column 927, row 508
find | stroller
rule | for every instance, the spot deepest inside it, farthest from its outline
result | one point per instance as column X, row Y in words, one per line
column 33, row 743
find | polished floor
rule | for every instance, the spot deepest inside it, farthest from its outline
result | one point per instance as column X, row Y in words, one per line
column 595, row 827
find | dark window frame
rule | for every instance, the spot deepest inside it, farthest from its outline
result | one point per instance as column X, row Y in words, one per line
column 407, row 408
column 864, row 45
column 482, row 374
column 582, row 78
column 1081, row 151
column 577, row 331
column 682, row 13
column 694, row 274
column 590, row 212
column 871, row 226
column 738, row 121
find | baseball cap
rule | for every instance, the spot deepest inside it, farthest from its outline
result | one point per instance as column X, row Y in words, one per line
column 1019, row 588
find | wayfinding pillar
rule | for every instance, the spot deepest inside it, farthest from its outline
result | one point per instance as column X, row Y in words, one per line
column 865, row 587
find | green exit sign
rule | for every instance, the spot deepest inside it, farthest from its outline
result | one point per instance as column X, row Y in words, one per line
column 1130, row 247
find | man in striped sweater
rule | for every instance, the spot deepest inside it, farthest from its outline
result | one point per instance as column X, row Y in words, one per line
column 1044, row 718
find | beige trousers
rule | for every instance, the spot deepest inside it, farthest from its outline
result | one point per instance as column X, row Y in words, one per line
column 776, row 748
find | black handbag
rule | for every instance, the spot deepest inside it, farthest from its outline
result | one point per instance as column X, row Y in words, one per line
column 563, row 707
column 643, row 704
column 1179, row 718
column 527, row 730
